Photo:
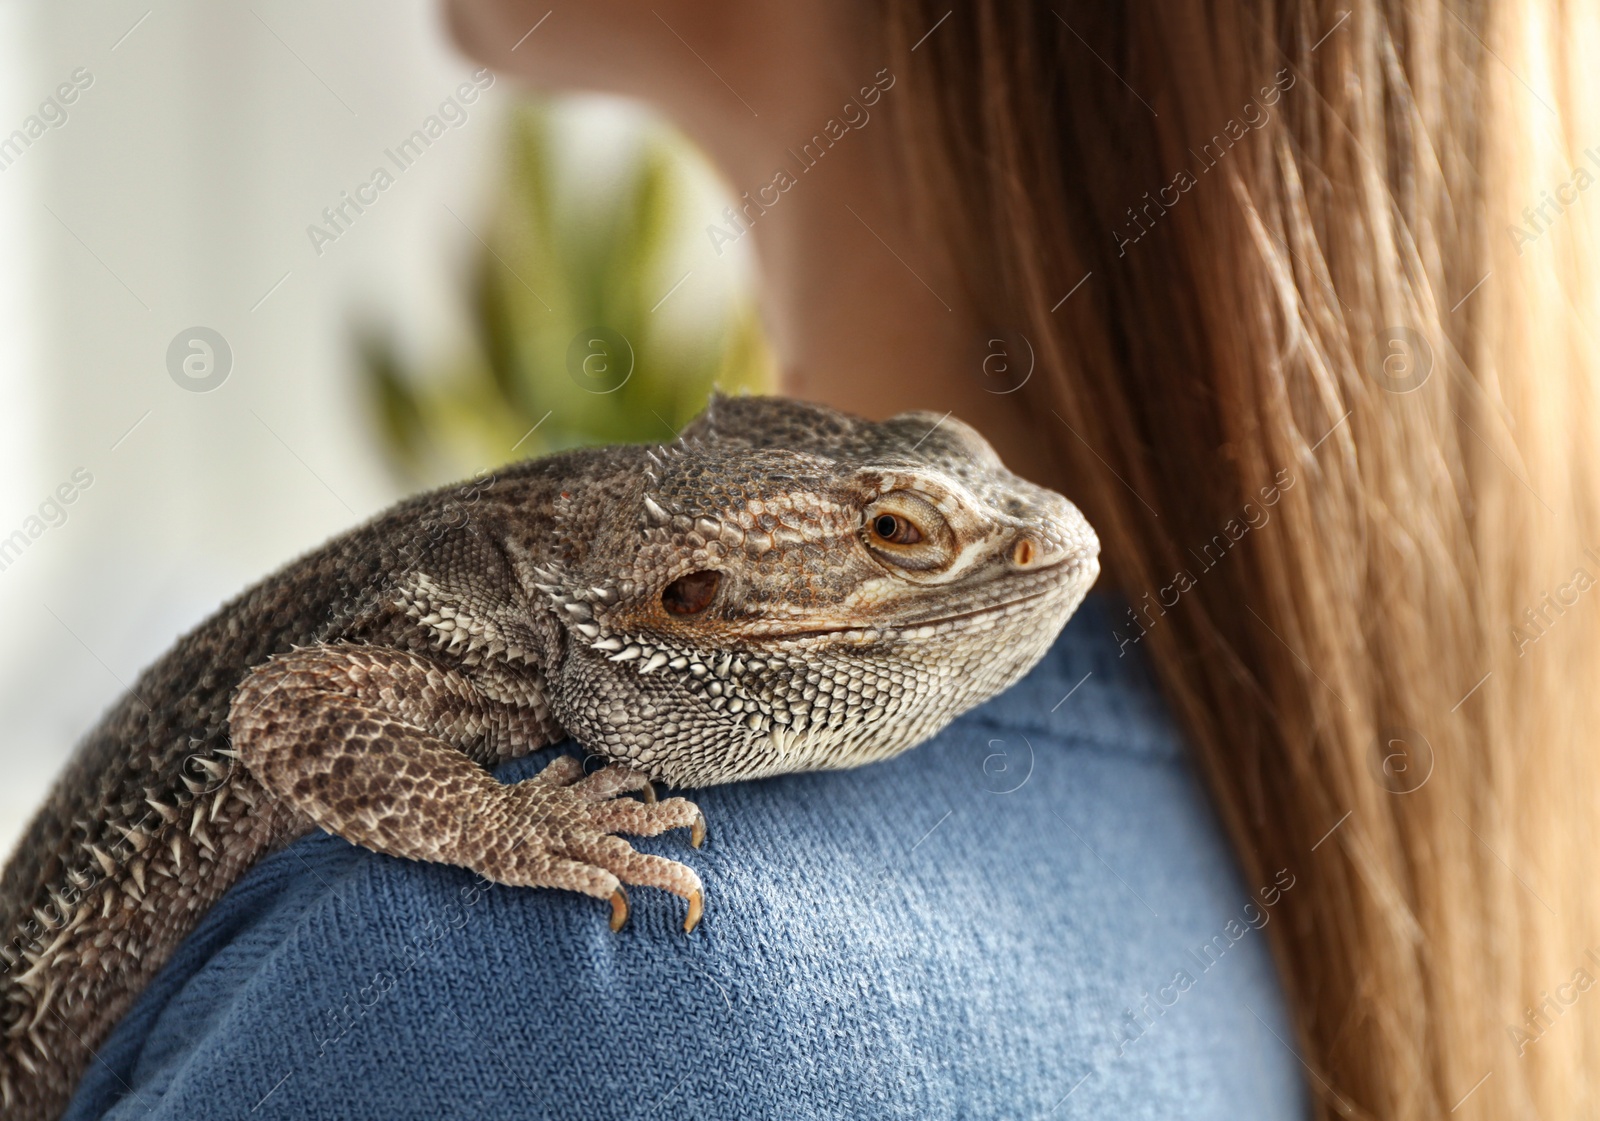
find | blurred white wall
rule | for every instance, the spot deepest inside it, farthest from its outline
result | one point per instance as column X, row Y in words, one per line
column 177, row 193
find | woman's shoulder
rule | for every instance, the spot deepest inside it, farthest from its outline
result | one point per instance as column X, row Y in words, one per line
column 1032, row 914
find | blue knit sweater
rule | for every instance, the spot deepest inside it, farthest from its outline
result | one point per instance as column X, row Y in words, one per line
column 1034, row 915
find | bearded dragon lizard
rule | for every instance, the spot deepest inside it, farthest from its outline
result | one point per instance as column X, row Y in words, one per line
column 785, row 588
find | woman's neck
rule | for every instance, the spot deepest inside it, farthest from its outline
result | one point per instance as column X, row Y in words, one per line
column 864, row 317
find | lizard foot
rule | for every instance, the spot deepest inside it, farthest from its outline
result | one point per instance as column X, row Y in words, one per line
column 341, row 733
column 558, row 831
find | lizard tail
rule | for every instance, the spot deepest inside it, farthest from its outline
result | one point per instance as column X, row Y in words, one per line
column 102, row 921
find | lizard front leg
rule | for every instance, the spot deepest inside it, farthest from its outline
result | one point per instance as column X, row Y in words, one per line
column 376, row 745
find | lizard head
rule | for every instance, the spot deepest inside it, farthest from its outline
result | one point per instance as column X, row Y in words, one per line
column 799, row 589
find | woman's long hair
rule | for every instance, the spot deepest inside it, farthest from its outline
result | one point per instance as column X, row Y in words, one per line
column 1339, row 255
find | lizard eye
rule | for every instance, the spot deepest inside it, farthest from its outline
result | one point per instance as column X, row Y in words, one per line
column 894, row 529
column 905, row 530
column 691, row 594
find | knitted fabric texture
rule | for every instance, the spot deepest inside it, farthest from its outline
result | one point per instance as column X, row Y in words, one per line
column 1032, row 915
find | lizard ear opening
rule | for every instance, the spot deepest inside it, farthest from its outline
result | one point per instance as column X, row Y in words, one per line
column 691, row 594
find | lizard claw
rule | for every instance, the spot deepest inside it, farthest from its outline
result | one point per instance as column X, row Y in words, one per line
column 619, row 908
column 697, row 906
column 697, row 831
column 614, row 779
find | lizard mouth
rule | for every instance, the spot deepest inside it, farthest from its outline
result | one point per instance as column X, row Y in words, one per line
column 879, row 629
column 1052, row 588
column 986, row 609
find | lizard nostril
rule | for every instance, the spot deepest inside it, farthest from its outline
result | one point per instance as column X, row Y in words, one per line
column 1024, row 552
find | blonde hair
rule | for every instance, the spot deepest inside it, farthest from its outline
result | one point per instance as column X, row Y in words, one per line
column 1380, row 284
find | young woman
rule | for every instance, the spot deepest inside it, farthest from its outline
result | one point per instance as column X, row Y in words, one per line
column 1344, row 245
column 1296, row 299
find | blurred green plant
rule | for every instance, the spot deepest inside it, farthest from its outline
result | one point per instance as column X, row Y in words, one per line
column 573, row 339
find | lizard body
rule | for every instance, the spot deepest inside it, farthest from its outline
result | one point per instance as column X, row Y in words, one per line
column 784, row 588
